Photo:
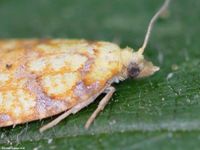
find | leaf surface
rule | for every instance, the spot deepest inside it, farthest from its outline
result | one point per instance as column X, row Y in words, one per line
column 159, row 112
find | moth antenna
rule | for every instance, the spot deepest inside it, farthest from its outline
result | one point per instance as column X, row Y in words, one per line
column 162, row 9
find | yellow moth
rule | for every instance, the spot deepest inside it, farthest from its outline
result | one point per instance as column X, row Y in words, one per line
column 42, row 78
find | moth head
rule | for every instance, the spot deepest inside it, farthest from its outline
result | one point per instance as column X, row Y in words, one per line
column 140, row 69
column 135, row 64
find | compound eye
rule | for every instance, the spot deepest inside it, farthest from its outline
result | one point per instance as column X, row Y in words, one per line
column 133, row 70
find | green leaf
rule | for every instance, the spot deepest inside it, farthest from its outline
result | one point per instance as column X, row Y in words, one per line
column 159, row 112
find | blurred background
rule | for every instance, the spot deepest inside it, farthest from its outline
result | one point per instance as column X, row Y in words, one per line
column 159, row 112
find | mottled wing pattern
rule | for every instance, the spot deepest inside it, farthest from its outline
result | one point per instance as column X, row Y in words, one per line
column 41, row 78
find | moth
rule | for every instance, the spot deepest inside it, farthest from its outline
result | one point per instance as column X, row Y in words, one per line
column 43, row 78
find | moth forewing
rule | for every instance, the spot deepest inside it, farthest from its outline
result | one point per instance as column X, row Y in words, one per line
column 60, row 80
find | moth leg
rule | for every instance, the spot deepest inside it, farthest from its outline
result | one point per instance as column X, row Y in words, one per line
column 73, row 110
column 109, row 92
column 55, row 121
